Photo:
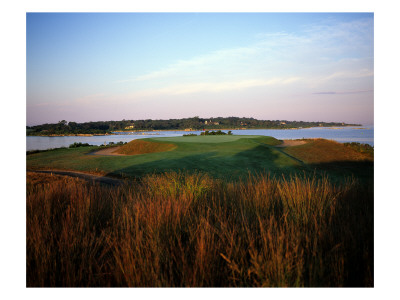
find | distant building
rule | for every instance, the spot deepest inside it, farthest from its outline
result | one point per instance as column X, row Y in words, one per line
column 130, row 127
column 211, row 123
column 188, row 129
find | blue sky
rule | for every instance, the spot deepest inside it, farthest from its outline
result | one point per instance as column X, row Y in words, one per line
column 102, row 66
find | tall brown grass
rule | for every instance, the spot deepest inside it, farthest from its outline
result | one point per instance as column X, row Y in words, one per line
column 189, row 230
column 141, row 147
column 325, row 151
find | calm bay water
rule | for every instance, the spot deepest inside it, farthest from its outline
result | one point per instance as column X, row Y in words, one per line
column 364, row 134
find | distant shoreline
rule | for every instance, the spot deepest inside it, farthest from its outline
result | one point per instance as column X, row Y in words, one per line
column 138, row 132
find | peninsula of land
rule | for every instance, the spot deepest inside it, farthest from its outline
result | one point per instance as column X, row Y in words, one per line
column 64, row 128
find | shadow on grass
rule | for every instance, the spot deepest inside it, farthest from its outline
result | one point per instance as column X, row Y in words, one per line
column 339, row 171
column 217, row 164
column 237, row 166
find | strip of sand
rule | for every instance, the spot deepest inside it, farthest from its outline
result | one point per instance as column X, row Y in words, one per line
column 291, row 143
column 108, row 151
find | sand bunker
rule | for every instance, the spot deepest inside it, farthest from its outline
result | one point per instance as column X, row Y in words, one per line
column 107, row 151
column 291, row 143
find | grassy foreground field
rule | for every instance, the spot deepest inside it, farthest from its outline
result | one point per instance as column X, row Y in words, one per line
column 189, row 230
column 215, row 211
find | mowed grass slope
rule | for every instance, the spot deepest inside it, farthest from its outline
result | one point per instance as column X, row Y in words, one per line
column 219, row 156
column 227, row 157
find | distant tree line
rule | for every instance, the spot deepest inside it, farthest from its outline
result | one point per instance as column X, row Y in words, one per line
column 107, row 127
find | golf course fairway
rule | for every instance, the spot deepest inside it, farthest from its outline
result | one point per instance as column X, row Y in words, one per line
column 227, row 157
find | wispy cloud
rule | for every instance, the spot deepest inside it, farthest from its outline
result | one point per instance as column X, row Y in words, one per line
column 190, row 88
column 349, row 74
column 343, row 92
column 200, row 64
column 313, row 55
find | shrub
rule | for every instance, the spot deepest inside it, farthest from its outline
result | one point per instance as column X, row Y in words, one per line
column 76, row 145
column 219, row 132
column 362, row 148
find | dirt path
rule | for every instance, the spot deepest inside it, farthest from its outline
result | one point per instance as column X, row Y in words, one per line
column 291, row 143
column 85, row 176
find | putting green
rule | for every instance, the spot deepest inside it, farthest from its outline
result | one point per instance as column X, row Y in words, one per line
column 206, row 138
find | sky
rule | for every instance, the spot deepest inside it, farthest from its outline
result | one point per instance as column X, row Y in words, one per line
column 274, row 66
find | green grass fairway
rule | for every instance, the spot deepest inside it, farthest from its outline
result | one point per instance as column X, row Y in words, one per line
column 227, row 157
column 215, row 139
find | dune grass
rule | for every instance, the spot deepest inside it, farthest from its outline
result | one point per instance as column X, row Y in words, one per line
column 335, row 159
column 191, row 230
column 325, row 151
